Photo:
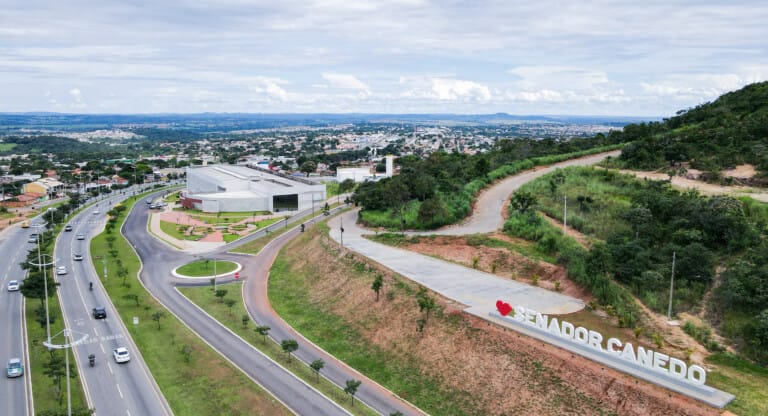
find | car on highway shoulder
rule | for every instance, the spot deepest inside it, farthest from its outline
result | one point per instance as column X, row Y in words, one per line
column 14, row 368
column 13, row 285
column 99, row 312
column 32, row 238
column 77, row 257
column 61, row 270
column 121, row 355
column 81, row 236
column 68, row 228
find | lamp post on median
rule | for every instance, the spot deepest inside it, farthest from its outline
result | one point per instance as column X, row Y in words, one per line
column 43, row 264
column 65, row 346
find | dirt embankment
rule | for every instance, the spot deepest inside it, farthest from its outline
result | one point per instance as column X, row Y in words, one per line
column 487, row 369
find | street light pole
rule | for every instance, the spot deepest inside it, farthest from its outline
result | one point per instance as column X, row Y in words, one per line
column 671, row 287
column 214, row 274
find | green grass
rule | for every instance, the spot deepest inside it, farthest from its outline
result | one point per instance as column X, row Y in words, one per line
column 44, row 391
column 7, row 147
column 205, row 385
column 609, row 191
column 232, row 319
column 173, row 230
column 743, row 379
column 204, row 268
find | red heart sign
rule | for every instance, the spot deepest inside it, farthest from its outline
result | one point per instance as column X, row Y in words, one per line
column 503, row 307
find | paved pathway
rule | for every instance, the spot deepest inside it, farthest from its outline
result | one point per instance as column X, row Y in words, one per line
column 474, row 288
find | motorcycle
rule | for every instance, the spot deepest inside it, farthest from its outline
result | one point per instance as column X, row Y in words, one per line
column 91, row 359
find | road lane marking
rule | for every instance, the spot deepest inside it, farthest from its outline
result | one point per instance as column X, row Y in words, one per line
column 109, row 366
column 119, row 391
column 102, row 348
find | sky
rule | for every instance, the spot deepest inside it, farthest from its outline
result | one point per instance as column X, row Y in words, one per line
column 579, row 57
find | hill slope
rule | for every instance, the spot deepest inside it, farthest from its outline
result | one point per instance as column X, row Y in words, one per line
column 724, row 133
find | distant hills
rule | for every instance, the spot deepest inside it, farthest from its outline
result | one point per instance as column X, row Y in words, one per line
column 727, row 132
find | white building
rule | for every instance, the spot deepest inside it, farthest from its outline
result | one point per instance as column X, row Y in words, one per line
column 240, row 188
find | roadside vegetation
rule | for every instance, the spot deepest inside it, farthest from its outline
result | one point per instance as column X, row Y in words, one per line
column 194, row 379
column 230, row 312
column 642, row 224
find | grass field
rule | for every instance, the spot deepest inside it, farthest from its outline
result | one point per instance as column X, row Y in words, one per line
column 233, row 319
column 204, row 384
column 204, row 268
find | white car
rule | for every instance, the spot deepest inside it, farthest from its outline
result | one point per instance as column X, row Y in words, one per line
column 96, row 212
column 61, row 270
column 121, row 355
column 77, row 257
column 13, row 285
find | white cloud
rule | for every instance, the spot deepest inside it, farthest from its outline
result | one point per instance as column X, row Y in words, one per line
column 77, row 95
column 558, row 77
column 346, row 81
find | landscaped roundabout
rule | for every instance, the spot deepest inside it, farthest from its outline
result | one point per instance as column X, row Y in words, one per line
column 207, row 268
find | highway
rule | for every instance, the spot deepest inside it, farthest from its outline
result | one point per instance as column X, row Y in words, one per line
column 15, row 393
column 158, row 260
column 111, row 389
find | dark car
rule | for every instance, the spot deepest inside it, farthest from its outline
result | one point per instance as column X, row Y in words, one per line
column 68, row 228
column 99, row 313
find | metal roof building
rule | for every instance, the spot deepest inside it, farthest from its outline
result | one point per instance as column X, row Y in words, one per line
column 242, row 188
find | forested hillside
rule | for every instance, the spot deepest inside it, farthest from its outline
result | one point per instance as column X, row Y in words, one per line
column 729, row 131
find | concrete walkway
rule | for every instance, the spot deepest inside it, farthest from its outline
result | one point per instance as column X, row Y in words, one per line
column 478, row 290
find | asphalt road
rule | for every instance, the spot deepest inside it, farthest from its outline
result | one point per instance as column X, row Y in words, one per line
column 15, row 397
column 159, row 260
column 111, row 389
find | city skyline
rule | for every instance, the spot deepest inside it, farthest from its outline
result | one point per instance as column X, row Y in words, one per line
column 405, row 56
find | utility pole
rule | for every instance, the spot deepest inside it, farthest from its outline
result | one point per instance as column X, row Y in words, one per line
column 671, row 287
column 565, row 214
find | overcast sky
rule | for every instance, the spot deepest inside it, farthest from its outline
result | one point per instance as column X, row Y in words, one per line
column 644, row 58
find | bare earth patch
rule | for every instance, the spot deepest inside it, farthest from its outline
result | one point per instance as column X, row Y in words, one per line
column 489, row 370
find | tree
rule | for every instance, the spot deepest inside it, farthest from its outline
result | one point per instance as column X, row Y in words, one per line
column 555, row 180
column 308, row 167
column 132, row 296
column 230, row 303
column 378, row 282
column 157, row 316
column 33, row 287
column 523, row 200
column 351, row 389
column 432, row 211
column 220, row 293
column 316, row 366
column 289, row 346
column 262, row 330
column 245, row 320
column 638, row 216
column 346, row 185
